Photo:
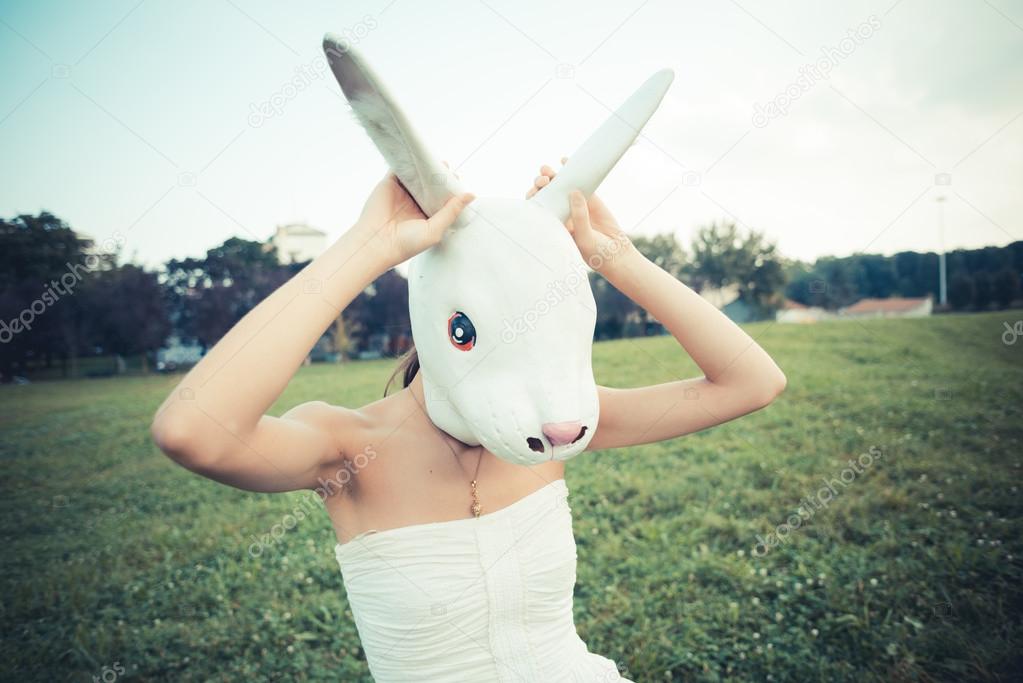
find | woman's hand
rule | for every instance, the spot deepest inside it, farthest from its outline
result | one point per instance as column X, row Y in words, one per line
column 591, row 224
column 392, row 222
column 217, row 423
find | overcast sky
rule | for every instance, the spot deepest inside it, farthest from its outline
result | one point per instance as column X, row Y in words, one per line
column 137, row 118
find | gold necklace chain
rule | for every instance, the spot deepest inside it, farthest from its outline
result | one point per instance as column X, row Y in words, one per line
column 476, row 507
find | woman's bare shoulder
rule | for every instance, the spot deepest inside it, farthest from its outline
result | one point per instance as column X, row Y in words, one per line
column 354, row 427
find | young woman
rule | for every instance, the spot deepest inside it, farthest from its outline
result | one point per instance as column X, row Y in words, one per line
column 437, row 592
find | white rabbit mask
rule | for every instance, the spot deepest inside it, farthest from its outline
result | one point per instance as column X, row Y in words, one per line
column 502, row 312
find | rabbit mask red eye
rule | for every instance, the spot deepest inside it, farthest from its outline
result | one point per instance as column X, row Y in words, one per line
column 516, row 378
column 461, row 331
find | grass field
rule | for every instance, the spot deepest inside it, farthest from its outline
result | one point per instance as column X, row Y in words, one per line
column 118, row 564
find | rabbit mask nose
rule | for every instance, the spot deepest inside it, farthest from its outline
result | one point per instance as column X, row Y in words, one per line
column 561, row 433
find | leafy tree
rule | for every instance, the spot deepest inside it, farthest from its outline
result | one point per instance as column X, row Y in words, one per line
column 722, row 256
column 985, row 259
column 37, row 248
column 71, row 298
column 834, row 282
column 1005, row 287
column 875, row 276
column 339, row 339
column 983, row 291
column 1016, row 256
column 664, row 250
column 42, row 265
column 382, row 308
column 961, row 290
column 907, row 267
column 614, row 309
column 127, row 311
column 714, row 252
column 927, row 275
column 207, row 296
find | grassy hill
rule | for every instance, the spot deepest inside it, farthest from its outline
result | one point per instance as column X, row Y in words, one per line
column 115, row 560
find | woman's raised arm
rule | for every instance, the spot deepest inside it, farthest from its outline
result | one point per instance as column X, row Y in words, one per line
column 214, row 421
column 739, row 376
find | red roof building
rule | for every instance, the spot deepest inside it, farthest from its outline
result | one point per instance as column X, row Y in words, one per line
column 894, row 307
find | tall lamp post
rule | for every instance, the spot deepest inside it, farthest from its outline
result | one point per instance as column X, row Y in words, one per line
column 942, row 273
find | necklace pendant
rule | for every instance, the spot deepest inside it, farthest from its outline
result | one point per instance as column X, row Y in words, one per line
column 476, row 508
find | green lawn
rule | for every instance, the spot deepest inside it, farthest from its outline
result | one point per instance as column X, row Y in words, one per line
column 114, row 559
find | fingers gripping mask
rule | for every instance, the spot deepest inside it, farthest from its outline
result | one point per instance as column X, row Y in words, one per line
column 502, row 313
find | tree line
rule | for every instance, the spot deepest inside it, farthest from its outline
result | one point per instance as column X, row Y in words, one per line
column 64, row 298
column 978, row 279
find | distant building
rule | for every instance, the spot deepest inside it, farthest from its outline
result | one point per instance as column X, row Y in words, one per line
column 795, row 312
column 177, row 354
column 298, row 242
column 894, row 307
column 720, row 296
column 97, row 254
column 727, row 300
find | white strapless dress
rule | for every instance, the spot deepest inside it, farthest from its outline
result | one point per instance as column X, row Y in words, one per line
column 475, row 599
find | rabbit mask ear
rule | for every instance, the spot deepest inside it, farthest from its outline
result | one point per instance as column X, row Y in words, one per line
column 429, row 182
column 591, row 163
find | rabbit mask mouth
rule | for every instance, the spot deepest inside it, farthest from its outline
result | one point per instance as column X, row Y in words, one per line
column 501, row 309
